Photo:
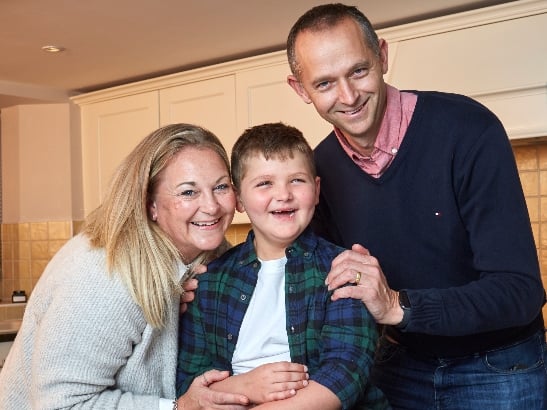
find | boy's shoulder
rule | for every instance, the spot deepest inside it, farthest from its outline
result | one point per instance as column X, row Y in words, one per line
column 309, row 239
column 231, row 256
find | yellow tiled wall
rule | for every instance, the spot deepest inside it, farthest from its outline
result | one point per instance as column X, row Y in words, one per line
column 237, row 233
column 26, row 250
column 28, row 247
column 531, row 158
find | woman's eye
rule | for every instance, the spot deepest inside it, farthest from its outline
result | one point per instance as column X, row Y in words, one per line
column 222, row 188
column 188, row 193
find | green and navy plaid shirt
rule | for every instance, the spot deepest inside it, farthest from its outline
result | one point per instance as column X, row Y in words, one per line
column 336, row 340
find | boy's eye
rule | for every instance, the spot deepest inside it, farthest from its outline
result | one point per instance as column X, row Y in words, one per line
column 263, row 183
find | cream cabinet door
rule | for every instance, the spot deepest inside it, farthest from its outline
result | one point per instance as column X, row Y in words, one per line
column 110, row 130
column 263, row 95
column 208, row 103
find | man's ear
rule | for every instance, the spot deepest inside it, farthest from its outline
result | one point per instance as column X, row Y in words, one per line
column 298, row 88
column 383, row 55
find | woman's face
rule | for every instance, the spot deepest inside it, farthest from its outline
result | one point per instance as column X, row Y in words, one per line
column 194, row 201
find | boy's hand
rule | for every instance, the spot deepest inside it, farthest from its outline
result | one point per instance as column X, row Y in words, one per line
column 274, row 381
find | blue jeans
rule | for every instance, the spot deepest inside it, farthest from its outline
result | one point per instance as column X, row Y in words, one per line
column 510, row 378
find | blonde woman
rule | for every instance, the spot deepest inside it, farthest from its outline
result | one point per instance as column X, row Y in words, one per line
column 100, row 328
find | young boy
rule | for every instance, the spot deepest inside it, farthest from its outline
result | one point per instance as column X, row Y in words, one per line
column 262, row 311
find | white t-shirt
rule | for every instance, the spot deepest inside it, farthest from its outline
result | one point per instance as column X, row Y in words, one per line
column 263, row 335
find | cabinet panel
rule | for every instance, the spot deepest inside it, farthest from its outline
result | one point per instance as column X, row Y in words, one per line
column 110, row 130
column 209, row 103
column 263, row 95
column 501, row 56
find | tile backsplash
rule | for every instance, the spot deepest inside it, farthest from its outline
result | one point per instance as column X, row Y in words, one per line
column 28, row 247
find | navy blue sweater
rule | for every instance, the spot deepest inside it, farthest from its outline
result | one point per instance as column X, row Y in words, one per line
column 448, row 222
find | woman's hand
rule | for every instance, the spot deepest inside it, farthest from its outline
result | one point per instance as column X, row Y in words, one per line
column 200, row 397
column 359, row 267
column 189, row 287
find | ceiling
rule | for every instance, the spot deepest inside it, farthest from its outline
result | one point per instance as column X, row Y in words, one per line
column 112, row 42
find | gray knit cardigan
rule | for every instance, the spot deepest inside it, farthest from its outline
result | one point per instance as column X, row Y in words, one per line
column 84, row 342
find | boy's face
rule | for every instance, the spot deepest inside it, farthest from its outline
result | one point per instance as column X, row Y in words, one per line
column 279, row 197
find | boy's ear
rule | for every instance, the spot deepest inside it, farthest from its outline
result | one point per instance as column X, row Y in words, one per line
column 298, row 88
column 239, row 204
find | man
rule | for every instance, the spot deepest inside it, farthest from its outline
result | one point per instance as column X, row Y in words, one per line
column 428, row 183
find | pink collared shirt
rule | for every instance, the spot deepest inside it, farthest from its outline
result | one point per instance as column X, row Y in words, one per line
column 399, row 110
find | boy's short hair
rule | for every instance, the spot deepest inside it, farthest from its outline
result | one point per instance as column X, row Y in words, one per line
column 272, row 140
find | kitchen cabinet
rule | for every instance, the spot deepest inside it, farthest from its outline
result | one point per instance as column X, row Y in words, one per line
column 110, row 129
column 209, row 103
column 263, row 95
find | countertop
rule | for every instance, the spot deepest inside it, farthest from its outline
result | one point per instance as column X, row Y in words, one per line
column 9, row 329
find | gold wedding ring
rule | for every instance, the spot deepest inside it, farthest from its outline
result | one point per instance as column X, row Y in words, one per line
column 357, row 278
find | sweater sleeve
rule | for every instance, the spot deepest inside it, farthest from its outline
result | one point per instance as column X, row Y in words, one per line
column 508, row 291
column 83, row 341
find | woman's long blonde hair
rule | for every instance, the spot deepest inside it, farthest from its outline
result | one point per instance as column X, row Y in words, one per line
column 137, row 250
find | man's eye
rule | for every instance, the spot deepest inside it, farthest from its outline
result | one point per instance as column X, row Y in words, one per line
column 322, row 85
column 360, row 72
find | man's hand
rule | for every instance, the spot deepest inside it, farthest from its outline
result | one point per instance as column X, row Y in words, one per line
column 359, row 267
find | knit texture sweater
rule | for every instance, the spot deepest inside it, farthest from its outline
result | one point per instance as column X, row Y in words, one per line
column 448, row 222
column 85, row 343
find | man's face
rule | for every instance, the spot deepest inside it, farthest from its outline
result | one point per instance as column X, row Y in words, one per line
column 343, row 78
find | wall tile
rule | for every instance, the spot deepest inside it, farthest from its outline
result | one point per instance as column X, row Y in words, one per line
column 526, row 157
column 59, row 230
column 39, row 250
column 22, row 250
column 532, row 202
column 530, row 182
column 23, row 232
column 38, row 231
column 542, row 155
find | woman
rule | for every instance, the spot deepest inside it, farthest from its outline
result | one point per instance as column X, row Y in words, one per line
column 100, row 329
